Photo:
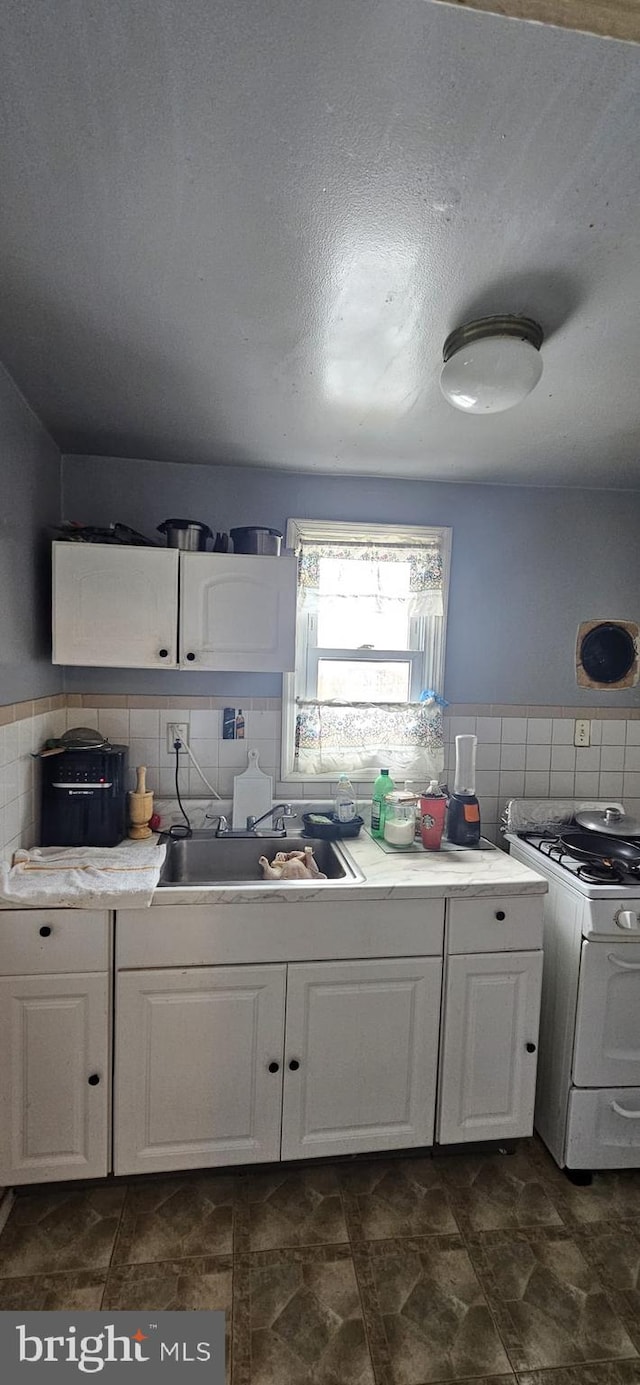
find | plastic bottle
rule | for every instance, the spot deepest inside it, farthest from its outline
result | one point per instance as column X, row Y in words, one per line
column 384, row 784
column 344, row 802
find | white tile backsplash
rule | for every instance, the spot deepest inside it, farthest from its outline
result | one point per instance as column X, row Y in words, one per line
column 538, row 757
column 563, row 757
column 514, row 730
column 563, row 731
column 614, row 732
column 516, row 756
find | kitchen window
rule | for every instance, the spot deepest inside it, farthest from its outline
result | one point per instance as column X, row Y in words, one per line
column 370, row 635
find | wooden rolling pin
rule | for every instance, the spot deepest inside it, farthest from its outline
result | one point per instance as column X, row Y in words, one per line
column 140, row 806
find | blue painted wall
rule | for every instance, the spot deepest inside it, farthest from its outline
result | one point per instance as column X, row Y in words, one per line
column 30, row 476
column 528, row 563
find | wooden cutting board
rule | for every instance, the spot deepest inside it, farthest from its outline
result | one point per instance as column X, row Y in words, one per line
column 252, row 792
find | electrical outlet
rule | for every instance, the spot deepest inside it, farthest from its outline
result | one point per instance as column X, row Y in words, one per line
column 177, row 730
column 582, row 732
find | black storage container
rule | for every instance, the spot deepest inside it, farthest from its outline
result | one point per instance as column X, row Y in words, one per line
column 84, row 797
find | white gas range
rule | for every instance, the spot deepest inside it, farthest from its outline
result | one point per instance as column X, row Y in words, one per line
column 588, row 1093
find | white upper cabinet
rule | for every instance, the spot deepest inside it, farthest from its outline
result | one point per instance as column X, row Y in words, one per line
column 115, row 606
column 238, row 612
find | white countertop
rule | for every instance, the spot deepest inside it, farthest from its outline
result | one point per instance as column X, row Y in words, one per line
column 433, row 874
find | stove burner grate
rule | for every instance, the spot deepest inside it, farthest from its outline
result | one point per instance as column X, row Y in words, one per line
column 602, row 870
column 600, row 873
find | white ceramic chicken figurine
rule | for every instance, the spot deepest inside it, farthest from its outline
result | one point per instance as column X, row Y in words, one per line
column 291, row 865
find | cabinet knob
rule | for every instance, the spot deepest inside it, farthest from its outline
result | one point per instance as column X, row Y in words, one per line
column 274, row 1067
column 94, row 1079
column 294, row 1065
column 45, row 931
column 531, row 1048
column 500, row 915
column 191, row 657
column 163, row 653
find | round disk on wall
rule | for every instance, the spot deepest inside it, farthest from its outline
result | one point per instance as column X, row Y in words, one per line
column 607, row 654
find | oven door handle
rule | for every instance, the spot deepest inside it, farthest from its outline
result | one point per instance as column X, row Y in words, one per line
column 624, row 966
column 628, row 1115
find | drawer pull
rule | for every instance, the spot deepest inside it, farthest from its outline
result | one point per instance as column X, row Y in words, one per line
column 624, row 966
column 294, row 1065
column 164, row 653
column 45, row 931
column 500, row 915
column 628, row 1115
column 94, row 1079
column 274, row 1067
column 531, row 1048
column 191, row 657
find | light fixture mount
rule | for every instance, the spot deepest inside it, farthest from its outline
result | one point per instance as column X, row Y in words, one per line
column 492, row 363
column 503, row 325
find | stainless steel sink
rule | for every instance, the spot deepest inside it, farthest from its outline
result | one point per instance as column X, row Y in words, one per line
column 204, row 859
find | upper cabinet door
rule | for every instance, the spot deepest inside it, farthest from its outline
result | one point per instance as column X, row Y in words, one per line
column 238, row 612
column 115, row 607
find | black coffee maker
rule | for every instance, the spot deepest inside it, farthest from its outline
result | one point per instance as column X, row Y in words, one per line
column 84, row 793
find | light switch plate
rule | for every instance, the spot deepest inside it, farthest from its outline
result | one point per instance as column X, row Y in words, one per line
column 582, row 732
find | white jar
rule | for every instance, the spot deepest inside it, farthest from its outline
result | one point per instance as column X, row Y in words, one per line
column 400, row 817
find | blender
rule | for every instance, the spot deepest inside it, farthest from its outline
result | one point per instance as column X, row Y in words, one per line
column 463, row 814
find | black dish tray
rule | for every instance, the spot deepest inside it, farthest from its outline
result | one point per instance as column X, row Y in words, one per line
column 333, row 830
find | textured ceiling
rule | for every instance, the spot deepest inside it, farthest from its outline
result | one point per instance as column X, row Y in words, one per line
column 240, row 232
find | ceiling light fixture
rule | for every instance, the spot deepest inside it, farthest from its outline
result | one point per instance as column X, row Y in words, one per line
column 491, row 364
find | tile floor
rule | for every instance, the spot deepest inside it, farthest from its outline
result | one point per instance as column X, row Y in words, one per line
column 407, row 1271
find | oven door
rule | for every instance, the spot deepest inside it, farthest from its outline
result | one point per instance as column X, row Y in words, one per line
column 607, row 1037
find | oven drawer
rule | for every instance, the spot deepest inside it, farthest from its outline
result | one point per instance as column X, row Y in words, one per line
column 607, row 1038
column 603, row 1131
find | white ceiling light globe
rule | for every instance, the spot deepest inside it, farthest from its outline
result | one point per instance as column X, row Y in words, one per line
column 491, row 365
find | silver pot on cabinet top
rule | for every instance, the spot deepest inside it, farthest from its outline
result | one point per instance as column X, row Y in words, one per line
column 257, row 538
column 188, row 534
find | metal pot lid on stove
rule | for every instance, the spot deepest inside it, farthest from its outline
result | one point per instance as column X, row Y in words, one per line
column 612, row 821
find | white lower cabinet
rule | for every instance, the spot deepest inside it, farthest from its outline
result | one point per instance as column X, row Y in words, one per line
column 198, row 1067
column 54, row 1077
column 488, row 1068
column 361, row 1056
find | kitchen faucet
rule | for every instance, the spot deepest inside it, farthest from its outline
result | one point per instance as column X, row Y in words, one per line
column 279, row 830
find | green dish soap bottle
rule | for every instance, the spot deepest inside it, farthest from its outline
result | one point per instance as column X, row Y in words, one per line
column 383, row 785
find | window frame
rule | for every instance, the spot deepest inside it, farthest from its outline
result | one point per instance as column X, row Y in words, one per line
column 429, row 648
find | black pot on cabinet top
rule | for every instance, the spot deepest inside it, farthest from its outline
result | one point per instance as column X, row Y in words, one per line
column 257, row 538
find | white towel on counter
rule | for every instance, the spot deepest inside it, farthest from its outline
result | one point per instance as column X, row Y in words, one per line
column 83, row 877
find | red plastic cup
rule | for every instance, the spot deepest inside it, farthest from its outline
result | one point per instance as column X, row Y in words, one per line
column 433, row 811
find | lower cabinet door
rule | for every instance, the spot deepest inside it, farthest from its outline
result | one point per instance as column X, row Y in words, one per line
column 198, row 1067
column 488, row 1071
column 54, row 1077
column 361, row 1056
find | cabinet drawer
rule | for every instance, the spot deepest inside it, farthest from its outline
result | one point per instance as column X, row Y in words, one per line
column 604, row 1129
column 505, row 924
column 34, row 942
column 187, row 935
